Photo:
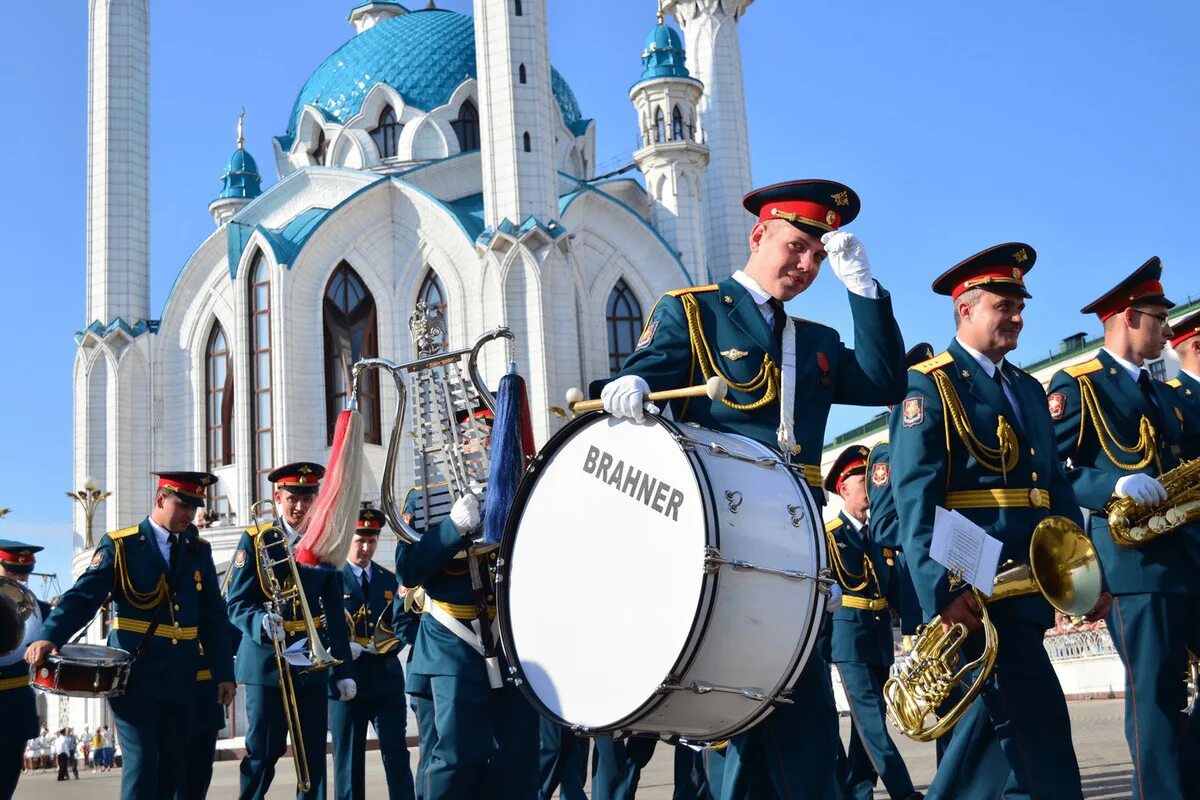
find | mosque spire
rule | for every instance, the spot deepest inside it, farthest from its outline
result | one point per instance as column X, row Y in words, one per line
column 240, row 182
column 241, row 140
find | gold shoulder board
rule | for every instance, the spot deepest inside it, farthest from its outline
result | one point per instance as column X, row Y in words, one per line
column 121, row 534
column 929, row 365
column 833, row 524
column 1174, row 383
column 712, row 287
column 1086, row 368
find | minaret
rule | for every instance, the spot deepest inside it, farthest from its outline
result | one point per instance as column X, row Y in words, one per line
column 673, row 155
column 712, row 42
column 118, row 224
column 516, row 110
column 240, row 183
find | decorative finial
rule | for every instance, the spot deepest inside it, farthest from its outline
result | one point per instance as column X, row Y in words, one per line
column 427, row 328
column 661, row 17
column 432, row 6
column 241, row 129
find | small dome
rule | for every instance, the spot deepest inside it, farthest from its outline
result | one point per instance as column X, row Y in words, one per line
column 664, row 55
column 241, row 178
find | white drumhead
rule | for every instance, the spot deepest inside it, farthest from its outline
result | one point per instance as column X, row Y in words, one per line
column 606, row 570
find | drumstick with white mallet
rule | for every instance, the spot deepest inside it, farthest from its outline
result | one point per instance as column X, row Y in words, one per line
column 714, row 389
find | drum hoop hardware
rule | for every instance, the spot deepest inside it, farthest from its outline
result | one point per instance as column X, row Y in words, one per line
column 713, row 560
column 797, row 514
column 703, row 687
column 687, row 443
column 734, row 498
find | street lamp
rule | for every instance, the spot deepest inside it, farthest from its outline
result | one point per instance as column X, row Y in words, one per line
column 90, row 496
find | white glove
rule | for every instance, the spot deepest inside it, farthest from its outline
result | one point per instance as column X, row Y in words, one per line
column 1142, row 489
column 356, row 650
column 465, row 514
column 626, row 397
column 347, row 689
column 848, row 260
column 834, row 601
column 272, row 626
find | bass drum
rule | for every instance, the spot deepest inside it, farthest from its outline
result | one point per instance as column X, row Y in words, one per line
column 660, row 578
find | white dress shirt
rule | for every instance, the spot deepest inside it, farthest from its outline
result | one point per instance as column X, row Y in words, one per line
column 759, row 294
column 1133, row 369
column 358, row 572
column 990, row 368
column 162, row 538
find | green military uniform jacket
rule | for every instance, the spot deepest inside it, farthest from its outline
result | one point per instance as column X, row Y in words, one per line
column 186, row 602
column 1098, row 409
column 1187, row 392
column 247, row 596
column 862, row 624
column 718, row 329
column 949, row 449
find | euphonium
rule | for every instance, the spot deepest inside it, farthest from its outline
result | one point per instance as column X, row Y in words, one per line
column 1133, row 525
column 1063, row 567
column 384, row 639
column 280, row 593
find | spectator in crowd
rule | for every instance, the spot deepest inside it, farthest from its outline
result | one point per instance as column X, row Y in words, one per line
column 97, row 750
column 62, row 753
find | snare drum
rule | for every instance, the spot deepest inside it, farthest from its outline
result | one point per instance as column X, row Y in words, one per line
column 660, row 578
column 83, row 670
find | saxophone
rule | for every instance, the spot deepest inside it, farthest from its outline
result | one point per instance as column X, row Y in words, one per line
column 1133, row 525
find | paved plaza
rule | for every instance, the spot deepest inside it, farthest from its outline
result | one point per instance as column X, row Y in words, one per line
column 1097, row 727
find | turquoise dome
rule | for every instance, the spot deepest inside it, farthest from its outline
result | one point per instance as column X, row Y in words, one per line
column 424, row 55
column 663, row 56
column 241, row 178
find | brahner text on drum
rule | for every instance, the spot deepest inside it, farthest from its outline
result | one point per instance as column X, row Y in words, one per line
column 657, row 494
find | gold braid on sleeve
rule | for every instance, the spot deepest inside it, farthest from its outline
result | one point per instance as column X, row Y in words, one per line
column 766, row 381
column 1108, row 440
column 1000, row 459
column 140, row 600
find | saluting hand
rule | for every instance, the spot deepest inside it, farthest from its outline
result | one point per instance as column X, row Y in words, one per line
column 848, row 260
column 36, row 653
column 226, row 691
column 465, row 514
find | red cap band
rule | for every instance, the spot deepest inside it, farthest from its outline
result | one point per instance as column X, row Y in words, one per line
column 182, row 487
column 848, row 470
column 9, row 557
column 988, row 275
column 803, row 211
column 305, row 479
column 1182, row 336
column 1117, row 304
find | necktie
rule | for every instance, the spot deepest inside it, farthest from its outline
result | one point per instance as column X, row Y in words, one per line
column 366, row 584
column 780, row 317
column 172, row 539
column 1147, row 389
column 1011, row 402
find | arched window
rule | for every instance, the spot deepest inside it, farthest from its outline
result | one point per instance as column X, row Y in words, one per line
column 351, row 333
column 386, row 134
column 262, row 444
column 521, row 73
column 525, row 139
column 624, row 315
column 517, row 7
column 432, row 294
column 466, row 127
column 660, row 126
column 218, row 412
column 318, row 151
column 677, row 124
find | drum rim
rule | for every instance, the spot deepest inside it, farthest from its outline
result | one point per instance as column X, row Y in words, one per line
column 701, row 617
column 113, row 657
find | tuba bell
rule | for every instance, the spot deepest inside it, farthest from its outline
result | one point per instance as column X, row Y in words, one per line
column 1063, row 567
column 1133, row 525
column 17, row 604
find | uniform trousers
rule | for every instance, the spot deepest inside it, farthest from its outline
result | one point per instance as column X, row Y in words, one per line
column 12, row 758
column 562, row 761
column 792, row 753
column 385, row 711
column 423, row 711
column 266, row 738
column 484, row 742
column 201, row 750
column 1015, row 739
column 151, row 763
column 872, row 753
column 1149, row 632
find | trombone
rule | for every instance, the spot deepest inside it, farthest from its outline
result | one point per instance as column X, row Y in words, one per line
column 280, row 593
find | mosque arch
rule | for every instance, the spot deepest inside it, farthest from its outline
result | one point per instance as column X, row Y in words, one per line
column 351, row 332
column 623, row 318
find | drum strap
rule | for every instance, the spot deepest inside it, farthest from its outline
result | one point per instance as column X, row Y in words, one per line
column 470, row 636
column 786, row 435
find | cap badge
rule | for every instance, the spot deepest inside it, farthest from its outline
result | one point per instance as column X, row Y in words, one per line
column 841, row 198
column 1021, row 256
column 830, row 217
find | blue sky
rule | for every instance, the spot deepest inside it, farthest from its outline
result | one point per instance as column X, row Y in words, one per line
column 1071, row 126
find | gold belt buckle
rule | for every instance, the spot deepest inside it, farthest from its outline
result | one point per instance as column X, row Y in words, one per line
column 1038, row 498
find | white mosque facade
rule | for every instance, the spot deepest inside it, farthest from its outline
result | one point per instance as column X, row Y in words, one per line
column 435, row 156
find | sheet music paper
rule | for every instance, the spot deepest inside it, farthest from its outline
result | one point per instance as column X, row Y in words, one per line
column 965, row 549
